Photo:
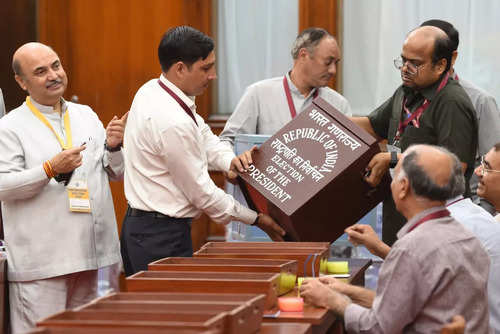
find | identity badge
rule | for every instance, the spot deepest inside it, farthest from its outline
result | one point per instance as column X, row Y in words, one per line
column 78, row 195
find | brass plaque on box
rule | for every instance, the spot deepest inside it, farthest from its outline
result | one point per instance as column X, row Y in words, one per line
column 309, row 176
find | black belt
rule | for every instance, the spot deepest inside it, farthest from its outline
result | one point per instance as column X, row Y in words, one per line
column 153, row 214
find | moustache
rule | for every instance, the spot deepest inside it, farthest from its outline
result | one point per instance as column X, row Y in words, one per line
column 54, row 82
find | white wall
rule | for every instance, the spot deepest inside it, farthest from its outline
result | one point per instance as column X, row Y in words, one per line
column 254, row 39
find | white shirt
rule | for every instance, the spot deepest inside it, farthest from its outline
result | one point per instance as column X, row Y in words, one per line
column 167, row 157
column 483, row 226
column 44, row 238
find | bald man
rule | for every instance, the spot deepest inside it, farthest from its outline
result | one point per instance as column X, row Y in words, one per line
column 436, row 269
column 56, row 163
column 428, row 108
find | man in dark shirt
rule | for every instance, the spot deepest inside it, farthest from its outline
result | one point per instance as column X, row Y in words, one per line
column 428, row 108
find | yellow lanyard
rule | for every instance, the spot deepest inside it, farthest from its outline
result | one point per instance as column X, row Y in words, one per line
column 42, row 118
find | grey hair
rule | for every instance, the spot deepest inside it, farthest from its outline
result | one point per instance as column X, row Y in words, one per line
column 16, row 67
column 308, row 39
column 423, row 186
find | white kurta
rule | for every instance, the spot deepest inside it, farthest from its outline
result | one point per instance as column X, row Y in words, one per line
column 44, row 239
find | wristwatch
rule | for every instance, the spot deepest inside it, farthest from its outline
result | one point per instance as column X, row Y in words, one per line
column 256, row 221
column 114, row 149
column 394, row 159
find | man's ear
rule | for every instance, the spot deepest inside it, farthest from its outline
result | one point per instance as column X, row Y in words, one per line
column 303, row 54
column 441, row 65
column 454, row 58
column 20, row 82
column 179, row 69
column 404, row 188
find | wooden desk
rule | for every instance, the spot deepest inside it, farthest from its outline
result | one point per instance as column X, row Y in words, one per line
column 322, row 320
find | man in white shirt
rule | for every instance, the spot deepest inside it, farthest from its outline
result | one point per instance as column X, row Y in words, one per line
column 58, row 215
column 168, row 149
column 488, row 173
column 267, row 105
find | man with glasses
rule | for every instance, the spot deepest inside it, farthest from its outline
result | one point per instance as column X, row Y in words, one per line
column 428, row 108
column 488, row 114
column 488, row 173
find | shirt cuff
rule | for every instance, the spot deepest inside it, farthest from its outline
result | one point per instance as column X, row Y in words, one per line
column 246, row 215
column 226, row 161
column 113, row 160
column 352, row 315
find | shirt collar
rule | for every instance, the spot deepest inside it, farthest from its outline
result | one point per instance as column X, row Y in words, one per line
column 295, row 90
column 188, row 100
column 48, row 109
column 407, row 227
column 453, row 200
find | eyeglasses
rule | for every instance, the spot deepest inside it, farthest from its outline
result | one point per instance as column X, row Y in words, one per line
column 485, row 170
column 412, row 69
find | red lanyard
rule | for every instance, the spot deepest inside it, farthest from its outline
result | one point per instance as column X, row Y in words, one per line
column 431, row 216
column 289, row 99
column 179, row 100
column 414, row 117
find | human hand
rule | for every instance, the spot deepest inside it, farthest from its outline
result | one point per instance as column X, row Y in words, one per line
column 241, row 163
column 377, row 167
column 319, row 294
column 268, row 225
column 361, row 234
column 115, row 130
column 334, row 283
column 67, row 160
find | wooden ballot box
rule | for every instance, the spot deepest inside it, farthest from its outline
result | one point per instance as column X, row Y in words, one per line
column 265, row 328
column 191, row 281
column 242, row 315
column 309, row 176
column 311, row 261
column 287, row 269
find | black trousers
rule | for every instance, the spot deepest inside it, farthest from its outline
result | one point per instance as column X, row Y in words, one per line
column 149, row 236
